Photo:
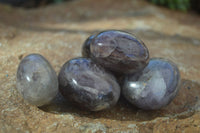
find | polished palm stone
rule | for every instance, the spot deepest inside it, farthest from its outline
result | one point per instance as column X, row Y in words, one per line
column 36, row 80
column 119, row 51
column 154, row 87
column 88, row 85
column 86, row 46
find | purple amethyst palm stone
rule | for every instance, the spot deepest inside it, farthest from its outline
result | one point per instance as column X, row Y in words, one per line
column 119, row 51
column 37, row 82
column 88, row 85
column 154, row 87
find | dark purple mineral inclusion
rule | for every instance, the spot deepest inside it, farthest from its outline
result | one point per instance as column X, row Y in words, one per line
column 119, row 51
column 86, row 46
column 154, row 87
column 88, row 85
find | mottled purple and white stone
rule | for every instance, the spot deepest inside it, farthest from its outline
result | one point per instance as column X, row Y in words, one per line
column 37, row 82
column 86, row 46
column 119, row 51
column 154, row 87
column 88, row 85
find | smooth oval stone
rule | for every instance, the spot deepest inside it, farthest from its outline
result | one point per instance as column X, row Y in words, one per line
column 88, row 85
column 86, row 46
column 119, row 51
column 154, row 87
column 36, row 80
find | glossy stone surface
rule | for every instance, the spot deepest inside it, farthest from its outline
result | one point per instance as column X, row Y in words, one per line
column 154, row 87
column 36, row 80
column 119, row 51
column 88, row 85
column 86, row 46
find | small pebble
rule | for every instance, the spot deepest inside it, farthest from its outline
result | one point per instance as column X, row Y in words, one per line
column 154, row 87
column 88, row 85
column 36, row 80
column 119, row 51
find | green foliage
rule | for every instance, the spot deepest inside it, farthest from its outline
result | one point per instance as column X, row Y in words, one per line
column 182, row 5
column 58, row 1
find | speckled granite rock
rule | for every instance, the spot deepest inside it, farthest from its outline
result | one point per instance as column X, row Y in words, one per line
column 58, row 31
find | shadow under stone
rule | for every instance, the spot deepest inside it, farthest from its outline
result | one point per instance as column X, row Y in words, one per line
column 184, row 105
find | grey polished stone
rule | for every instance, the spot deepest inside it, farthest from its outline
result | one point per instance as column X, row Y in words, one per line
column 88, row 85
column 119, row 51
column 36, row 80
column 154, row 87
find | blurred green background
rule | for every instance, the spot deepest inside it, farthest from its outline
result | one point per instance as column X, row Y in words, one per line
column 182, row 5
